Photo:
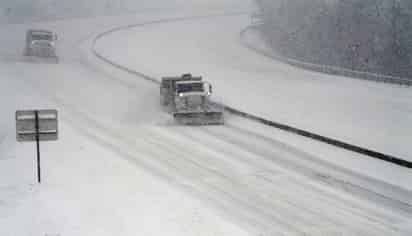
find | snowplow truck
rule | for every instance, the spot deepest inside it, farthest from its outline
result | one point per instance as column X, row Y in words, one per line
column 188, row 99
column 41, row 44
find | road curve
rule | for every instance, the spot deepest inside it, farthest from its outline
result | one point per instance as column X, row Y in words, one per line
column 255, row 180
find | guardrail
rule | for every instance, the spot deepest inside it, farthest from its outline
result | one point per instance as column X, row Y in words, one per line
column 334, row 70
column 287, row 128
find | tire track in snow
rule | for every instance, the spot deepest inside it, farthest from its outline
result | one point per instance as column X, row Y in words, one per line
column 315, row 168
column 245, row 154
column 296, row 212
column 284, row 157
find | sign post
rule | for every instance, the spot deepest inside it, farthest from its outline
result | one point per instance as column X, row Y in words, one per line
column 36, row 125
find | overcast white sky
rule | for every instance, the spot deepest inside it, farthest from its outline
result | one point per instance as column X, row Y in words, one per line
column 26, row 10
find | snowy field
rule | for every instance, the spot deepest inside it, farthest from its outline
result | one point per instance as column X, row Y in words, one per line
column 120, row 168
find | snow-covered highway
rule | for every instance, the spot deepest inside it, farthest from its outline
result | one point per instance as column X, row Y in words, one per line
column 122, row 169
column 311, row 101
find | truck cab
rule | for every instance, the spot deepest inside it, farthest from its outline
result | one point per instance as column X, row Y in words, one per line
column 40, row 43
column 191, row 95
column 168, row 87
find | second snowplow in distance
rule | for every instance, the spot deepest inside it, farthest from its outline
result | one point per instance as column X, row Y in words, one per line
column 41, row 44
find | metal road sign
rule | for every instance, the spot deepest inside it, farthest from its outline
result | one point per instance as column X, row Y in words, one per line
column 26, row 125
column 36, row 125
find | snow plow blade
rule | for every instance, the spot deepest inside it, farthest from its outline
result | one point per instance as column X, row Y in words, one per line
column 199, row 118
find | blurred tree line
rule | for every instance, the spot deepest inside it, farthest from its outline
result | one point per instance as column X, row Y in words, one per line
column 363, row 35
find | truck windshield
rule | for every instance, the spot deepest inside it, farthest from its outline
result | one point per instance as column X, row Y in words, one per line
column 193, row 87
column 42, row 37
